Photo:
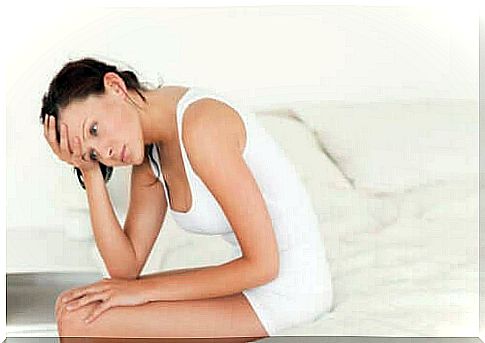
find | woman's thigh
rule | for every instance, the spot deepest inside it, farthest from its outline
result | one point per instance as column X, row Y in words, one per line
column 229, row 316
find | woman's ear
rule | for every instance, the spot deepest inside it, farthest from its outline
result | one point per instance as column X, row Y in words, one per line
column 114, row 83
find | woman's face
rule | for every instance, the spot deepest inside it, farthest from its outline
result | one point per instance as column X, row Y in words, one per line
column 105, row 124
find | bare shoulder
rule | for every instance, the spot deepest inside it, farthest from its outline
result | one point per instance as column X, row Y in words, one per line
column 208, row 121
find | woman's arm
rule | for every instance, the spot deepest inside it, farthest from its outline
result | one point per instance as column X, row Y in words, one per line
column 146, row 212
column 206, row 282
column 113, row 244
column 107, row 232
column 125, row 250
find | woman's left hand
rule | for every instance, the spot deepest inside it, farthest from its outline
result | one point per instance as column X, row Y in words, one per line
column 111, row 293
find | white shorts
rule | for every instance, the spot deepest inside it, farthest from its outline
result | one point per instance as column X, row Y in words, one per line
column 301, row 293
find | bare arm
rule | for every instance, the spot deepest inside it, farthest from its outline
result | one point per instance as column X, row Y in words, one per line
column 114, row 246
column 206, row 282
column 146, row 212
column 125, row 250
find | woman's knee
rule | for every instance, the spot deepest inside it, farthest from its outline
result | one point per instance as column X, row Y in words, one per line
column 71, row 323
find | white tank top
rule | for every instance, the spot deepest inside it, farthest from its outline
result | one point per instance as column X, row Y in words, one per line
column 289, row 205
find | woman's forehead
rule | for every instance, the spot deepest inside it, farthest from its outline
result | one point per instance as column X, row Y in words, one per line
column 72, row 117
column 77, row 111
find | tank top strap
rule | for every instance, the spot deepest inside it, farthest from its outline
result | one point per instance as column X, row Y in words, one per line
column 157, row 167
column 182, row 105
column 197, row 93
column 191, row 95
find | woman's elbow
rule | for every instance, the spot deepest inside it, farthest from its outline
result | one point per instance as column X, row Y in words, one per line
column 272, row 271
column 275, row 267
column 123, row 276
column 274, row 274
column 129, row 274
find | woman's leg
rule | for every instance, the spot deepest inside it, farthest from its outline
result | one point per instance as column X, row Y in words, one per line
column 146, row 276
column 229, row 316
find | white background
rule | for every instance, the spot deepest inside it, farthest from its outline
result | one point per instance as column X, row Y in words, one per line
column 264, row 55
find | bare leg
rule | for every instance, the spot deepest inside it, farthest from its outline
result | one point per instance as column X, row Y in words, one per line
column 232, row 314
column 222, row 319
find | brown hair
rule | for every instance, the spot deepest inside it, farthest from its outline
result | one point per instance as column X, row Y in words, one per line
column 76, row 81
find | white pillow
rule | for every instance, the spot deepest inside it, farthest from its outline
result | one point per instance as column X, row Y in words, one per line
column 389, row 147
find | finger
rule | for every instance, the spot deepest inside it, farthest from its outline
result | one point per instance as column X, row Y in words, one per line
column 52, row 135
column 60, row 303
column 82, row 291
column 70, row 297
column 75, row 293
column 98, row 310
column 77, row 148
column 73, row 305
column 57, row 310
column 60, row 298
column 64, row 141
column 46, row 121
column 58, row 306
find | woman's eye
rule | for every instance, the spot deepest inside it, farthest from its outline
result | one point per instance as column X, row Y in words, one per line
column 93, row 156
column 94, row 129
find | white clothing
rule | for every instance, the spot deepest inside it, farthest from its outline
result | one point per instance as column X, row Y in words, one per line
column 302, row 290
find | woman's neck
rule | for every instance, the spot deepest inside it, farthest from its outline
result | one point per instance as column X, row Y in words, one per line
column 158, row 114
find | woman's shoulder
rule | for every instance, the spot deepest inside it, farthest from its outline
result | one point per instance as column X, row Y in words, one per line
column 209, row 120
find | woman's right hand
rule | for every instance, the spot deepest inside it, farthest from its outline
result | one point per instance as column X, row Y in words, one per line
column 62, row 149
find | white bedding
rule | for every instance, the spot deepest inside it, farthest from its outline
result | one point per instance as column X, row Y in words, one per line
column 417, row 276
column 402, row 244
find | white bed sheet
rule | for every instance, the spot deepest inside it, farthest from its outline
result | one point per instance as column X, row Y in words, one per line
column 415, row 276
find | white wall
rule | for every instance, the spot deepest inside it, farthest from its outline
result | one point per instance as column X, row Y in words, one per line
column 265, row 56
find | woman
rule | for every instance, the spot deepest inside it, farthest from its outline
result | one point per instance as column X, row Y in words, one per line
column 220, row 173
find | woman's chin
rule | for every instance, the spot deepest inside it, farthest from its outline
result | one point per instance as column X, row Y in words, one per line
column 133, row 162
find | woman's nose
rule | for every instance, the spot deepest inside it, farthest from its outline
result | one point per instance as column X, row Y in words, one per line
column 110, row 152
